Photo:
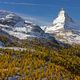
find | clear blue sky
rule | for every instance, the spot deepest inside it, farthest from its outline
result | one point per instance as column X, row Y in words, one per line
column 43, row 11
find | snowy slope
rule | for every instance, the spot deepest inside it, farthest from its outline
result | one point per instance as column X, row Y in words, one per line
column 16, row 26
column 65, row 29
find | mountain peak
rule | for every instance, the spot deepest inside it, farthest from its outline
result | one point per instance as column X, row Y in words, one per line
column 62, row 17
column 65, row 28
column 62, row 12
column 62, row 22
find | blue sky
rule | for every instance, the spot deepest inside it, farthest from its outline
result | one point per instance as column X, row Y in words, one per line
column 42, row 11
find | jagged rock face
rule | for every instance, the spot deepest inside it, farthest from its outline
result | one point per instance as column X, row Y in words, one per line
column 65, row 29
column 10, row 19
column 18, row 27
column 12, row 24
column 63, row 22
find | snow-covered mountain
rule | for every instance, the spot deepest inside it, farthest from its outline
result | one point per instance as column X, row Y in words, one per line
column 65, row 29
column 16, row 26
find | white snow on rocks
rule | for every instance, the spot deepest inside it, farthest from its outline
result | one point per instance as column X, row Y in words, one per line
column 16, row 26
column 65, row 29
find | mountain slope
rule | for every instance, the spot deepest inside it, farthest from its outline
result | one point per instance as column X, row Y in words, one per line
column 40, row 62
column 65, row 29
column 18, row 27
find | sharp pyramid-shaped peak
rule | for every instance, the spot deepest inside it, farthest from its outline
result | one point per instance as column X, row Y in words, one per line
column 61, row 13
column 62, row 22
column 62, row 17
column 65, row 29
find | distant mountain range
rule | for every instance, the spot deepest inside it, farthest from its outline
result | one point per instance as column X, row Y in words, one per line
column 13, row 25
column 65, row 29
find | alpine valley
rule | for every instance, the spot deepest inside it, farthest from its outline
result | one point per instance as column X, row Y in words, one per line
column 28, row 52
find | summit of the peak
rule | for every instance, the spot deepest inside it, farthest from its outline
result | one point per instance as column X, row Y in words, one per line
column 62, row 22
column 64, row 28
column 62, row 18
column 62, row 10
column 62, row 13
